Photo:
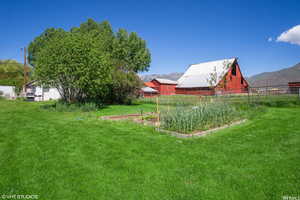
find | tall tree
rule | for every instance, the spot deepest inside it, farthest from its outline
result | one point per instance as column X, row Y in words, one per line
column 12, row 74
column 90, row 62
column 130, row 52
column 41, row 41
column 76, row 66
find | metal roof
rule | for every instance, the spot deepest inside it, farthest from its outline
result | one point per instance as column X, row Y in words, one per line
column 165, row 81
column 198, row 75
column 149, row 89
column 149, row 84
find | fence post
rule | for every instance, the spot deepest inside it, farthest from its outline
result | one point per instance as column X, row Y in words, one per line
column 248, row 96
column 157, row 111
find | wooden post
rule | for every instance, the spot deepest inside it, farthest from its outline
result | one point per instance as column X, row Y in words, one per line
column 142, row 115
column 157, row 111
column 248, row 95
column 24, row 71
column 168, row 104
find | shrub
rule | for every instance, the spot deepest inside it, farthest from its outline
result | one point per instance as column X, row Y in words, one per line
column 207, row 115
column 61, row 106
column 87, row 107
column 1, row 95
column 21, row 99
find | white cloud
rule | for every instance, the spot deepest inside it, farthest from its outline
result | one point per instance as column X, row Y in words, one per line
column 291, row 36
column 270, row 39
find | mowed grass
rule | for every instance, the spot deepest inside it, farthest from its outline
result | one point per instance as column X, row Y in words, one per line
column 59, row 155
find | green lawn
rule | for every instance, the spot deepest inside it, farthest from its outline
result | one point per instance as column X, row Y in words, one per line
column 77, row 156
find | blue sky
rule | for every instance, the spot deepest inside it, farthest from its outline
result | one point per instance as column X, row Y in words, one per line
column 178, row 33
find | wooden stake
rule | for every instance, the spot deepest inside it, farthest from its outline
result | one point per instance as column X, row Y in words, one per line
column 157, row 110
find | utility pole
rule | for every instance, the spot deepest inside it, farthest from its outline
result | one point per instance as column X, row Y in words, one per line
column 25, row 70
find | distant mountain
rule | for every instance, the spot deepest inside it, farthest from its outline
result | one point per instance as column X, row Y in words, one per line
column 276, row 78
column 172, row 76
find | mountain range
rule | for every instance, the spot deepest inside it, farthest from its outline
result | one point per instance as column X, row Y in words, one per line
column 172, row 76
column 275, row 78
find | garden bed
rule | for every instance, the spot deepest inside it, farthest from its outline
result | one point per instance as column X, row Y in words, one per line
column 201, row 133
column 151, row 120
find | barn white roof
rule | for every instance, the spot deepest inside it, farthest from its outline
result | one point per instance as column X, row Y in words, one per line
column 198, row 75
column 165, row 81
column 149, row 89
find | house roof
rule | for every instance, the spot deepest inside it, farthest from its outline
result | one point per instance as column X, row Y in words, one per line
column 165, row 81
column 149, row 84
column 149, row 89
column 199, row 75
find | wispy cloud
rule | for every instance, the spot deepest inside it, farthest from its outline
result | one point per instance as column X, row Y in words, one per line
column 270, row 39
column 291, row 36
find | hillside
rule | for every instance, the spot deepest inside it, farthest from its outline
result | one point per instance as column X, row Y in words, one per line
column 281, row 77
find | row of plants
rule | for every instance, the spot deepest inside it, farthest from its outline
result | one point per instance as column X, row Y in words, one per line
column 203, row 116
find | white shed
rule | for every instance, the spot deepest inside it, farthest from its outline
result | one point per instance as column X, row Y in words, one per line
column 38, row 93
column 8, row 92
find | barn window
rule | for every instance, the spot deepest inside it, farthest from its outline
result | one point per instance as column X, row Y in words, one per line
column 233, row 71
column 242, row 81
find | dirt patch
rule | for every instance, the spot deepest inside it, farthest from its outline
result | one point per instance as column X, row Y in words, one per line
column 146, row 118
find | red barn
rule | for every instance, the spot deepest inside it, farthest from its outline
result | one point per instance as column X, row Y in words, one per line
column 209, row 78
column 294, row 87
column 163, row 86
column 149, row 92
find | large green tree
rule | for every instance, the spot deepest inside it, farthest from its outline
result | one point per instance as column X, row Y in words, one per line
column 12, row 74
column 90, row 62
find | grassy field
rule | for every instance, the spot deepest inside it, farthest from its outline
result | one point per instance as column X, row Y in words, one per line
column 59, row 155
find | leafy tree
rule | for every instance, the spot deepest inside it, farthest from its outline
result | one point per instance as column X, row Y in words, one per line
column 90, row 62
column 76, row 66
column 130, row 52
column 124, row 87
column 12, row 74
column 41, row 41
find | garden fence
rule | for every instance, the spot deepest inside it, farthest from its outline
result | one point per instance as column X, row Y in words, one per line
column 268, row 94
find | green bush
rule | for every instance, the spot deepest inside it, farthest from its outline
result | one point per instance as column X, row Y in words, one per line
column 21, row 99
column 67, row 107
column 207, row 115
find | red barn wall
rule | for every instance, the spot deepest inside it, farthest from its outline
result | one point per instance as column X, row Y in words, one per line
column 164, row 89
column 195, row 91
column 149, row 94
column 294, row 84
column 233, row 83
column 294, row 87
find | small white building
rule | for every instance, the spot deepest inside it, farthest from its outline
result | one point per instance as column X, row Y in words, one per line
column 35, row 92
column 8, row 92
